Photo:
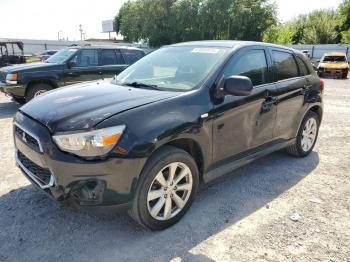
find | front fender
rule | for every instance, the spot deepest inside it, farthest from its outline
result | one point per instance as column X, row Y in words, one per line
column 151, row 126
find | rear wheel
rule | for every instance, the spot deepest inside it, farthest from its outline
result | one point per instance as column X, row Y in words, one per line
column 166, row 189
column 345, row 75
column 307, row 136
column 37, row 90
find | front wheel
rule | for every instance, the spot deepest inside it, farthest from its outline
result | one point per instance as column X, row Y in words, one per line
column 345, row 75
column 307, row 136
column 166, row 189
column 37, row 90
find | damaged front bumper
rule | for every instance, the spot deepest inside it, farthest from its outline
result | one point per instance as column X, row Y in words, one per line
column 72, row 181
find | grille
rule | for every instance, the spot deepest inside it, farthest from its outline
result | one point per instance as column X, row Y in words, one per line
column 27, row 138
column 40, row 173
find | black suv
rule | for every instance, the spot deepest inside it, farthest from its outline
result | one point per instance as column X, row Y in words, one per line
column 182, row 115
column 68, row 66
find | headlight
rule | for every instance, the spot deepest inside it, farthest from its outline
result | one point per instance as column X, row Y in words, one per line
column 11, row 78
column 92, row 143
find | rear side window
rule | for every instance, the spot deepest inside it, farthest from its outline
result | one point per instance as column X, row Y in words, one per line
column 111, row 57
column 251, row 64
column 285, row 64
column 131, row 56
column 303, row 67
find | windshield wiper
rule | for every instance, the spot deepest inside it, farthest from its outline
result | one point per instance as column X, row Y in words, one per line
column 138, row 84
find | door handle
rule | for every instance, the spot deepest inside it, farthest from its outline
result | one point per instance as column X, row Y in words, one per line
column 306, row 89
column 267, row 104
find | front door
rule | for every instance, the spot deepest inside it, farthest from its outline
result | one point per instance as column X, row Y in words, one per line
column 85, row 67
column 243, row 123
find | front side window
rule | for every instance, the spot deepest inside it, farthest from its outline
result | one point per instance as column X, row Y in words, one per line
column 86, row 58
column 178, row 68
column 252, row 64
column 285, row 64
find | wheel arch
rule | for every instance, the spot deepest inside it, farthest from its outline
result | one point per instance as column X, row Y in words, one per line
column 47, row 81
column 189, row 145
column 317, row 109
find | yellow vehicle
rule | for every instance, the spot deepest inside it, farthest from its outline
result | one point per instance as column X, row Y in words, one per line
column 334, row 64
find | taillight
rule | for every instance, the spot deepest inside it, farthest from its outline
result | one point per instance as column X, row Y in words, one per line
column 321, row 85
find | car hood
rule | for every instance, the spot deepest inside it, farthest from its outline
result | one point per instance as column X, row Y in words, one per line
column 27, row 67
column 83, row 106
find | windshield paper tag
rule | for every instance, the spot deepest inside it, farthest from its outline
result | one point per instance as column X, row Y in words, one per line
column 205, row 50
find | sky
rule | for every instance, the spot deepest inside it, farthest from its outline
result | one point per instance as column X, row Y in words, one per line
column 46, row 19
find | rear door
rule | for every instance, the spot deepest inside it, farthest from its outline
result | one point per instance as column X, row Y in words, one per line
column 291, row 85
column 246, row 122
column 86, row 67
column 112, row 63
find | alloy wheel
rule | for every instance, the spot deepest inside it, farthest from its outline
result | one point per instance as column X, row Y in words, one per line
column 169, row 191
column 309, row 134
column 39, row 92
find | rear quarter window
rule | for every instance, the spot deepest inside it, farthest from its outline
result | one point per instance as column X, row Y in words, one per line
column 131, row 56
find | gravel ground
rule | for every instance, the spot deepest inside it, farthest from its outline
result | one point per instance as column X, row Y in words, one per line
column 243, row 217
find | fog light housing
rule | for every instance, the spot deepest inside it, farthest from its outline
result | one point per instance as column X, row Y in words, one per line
column 88, row 192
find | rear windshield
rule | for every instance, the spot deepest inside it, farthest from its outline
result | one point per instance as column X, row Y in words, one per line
column 334, row 59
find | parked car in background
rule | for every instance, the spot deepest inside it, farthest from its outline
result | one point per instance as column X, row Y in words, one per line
column 68, row 66
column 45, row 55
column 184, row 114
column 333, row 64
column 32, row 58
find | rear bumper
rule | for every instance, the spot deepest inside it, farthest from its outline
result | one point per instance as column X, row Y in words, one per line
column 97, row 185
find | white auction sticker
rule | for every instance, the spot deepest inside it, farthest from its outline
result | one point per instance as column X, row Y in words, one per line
column 205, row 50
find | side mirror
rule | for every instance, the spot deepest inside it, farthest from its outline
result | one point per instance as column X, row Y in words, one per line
column 71, row 64
column 238, row 86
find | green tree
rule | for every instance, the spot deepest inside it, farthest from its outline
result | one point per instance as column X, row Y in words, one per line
column 281, row 34
column 344, row 21
column 317, row 27
column 320, row 28
column 167, row 21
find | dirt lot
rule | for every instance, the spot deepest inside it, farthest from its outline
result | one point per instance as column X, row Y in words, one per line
column 242, row 217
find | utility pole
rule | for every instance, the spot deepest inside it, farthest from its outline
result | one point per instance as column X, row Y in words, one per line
column 58, row 35
column 81, row 32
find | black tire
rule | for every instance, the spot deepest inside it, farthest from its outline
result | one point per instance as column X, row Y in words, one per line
column 319, row 74
column 19, row 100
column 156, row 163
column 345, row 75
column 34, row 89
column 296, row 148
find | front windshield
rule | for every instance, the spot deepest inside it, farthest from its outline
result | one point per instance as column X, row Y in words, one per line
column 62, row 55
column 173, row 68
column 334, row 59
